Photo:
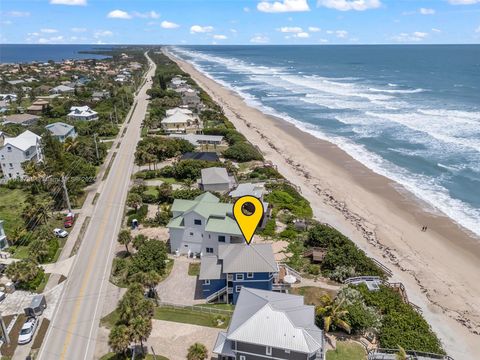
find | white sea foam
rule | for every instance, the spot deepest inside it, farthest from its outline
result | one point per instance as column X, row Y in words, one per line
column 406, row 91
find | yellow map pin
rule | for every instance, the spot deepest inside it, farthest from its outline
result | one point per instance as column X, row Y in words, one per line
column 248, row 212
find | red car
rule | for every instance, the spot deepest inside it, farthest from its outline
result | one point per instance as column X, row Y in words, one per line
column 68, row 222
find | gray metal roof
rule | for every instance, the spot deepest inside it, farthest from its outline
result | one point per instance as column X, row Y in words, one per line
column 210, row 268
column 59, row 128
column 215, row 175
column 244, row 189
column 247, row 258
column 274, row 319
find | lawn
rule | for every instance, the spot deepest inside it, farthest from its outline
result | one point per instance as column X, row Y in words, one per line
column 12, row 203
column 312, row 294
column 347, row 351
column 194, row 269
column 189, row 317
column 42, row 285
column 218, row 306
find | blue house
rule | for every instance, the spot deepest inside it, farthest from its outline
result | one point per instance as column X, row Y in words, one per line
column 236, row 266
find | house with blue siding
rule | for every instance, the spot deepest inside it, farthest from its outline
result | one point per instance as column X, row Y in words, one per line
column 236, row 266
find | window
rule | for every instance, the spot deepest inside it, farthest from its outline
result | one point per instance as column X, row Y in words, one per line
column 221, row 238
column 269, row 350
column 239, row 276
column 209, row 250
column 238, row 288
column 242, row 357
column 206, row 282
column 9, row 149
column 287, row 351
column 191, row 234
column 249, row 275
column 197, row 222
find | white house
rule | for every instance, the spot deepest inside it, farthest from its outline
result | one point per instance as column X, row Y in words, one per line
column 200, row 139
column 179, row 121
column 216, row 179
column 82, row 113
column 3, row 237
column 62, row 131
column 198, row 226
column 62, row 89
column 17, row 150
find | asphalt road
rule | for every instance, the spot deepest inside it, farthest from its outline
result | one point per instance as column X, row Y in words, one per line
column 73, row 330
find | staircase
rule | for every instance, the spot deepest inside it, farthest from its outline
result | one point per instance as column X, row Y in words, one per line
column 216, row 295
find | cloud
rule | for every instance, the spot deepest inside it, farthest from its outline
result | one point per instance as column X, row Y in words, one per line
column 16, row 13
column 290, row 29
column 78, row 29
column 259, row 39
column 463, row 2
column 436, row 30
column 50, row 40
column 283, row 6
column 119, row 14
column 49, row 31
column 69, row 2
column 477, row 30
column 195, row 29
column 302, row 35
column 346, row 5
column 426, row 11
column 102, row 33
column 410, row 37
column 341, row 34
column 169, row 25
column 246, row 9
column 220, row 37
column 147, row 15
column 314, row 29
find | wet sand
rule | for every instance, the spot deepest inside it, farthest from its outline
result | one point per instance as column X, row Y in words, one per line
column 440, row 267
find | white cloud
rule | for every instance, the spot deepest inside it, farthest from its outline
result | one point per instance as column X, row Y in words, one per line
column 314, row 29
column 169, row 25
column 283, row 6
column 233, row 31
column 426, row 11
column 302, row 35
column 323, row 41
column 195, row 29
column 69, row 2
column 246, row 9
column 49, row 31
column 410, row 37
column 78, row 29
column 220, row 37
column 102, row 33
column 342, row 34
column 346, row 5
column 290, row 29
column 147, row 15
column 119, row 14
column 259, row 39
column 463, row 2
column 15, row 13
column 436, row 30
column 50, row 40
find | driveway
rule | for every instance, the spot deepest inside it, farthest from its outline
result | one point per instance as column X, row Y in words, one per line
column 180, row 288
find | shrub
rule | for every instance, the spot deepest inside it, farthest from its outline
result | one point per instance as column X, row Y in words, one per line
column 264, row 173
column 186, row 194
column 284, row 197
column 313, row 269
column 242, row 152
column 269, row 229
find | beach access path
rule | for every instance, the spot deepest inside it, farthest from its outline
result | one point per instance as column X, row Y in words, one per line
column 73, row 331
column 439, row 267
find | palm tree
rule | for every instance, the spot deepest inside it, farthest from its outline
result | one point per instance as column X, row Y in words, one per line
column 330, row 313
column 125, row 238
column 149, row 280
column 119, row 339
column 134, row 201
column 197, row 352
column 401, row 354
column 140, row 329
column 17, row 234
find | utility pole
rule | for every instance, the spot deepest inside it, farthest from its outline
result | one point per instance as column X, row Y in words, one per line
column 64, row 184
column 6, row 338
column 116, row 117
column 96, row 145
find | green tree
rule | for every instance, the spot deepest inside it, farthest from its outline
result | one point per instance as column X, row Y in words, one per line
column 138, row 241
column 331, row 313
column 140, row 329
column 125, row 238
column 401, row 354
column 119, row 339
column 134, row 200
column 197, row 352
column 26, row 272
column 150, row 257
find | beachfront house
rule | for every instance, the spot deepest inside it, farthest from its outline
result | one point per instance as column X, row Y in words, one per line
column 21, row 119
column 216, row 179
column 3, row 237
column 82, row 113
column 237, row 265
column 17, row 150
column 200, row 139
column 198, row 226
column 61, row 131
column 180, row 121
column 253, row 189
column 201, row 155
column 271, row 325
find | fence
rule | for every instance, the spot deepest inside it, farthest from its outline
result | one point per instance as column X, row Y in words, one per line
column 197, row 308
column 389, row 354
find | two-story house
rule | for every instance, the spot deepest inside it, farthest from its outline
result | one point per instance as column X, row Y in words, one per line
column 257, row 190
column 199, row 225
column 237, row 266
column 16, row 151
column 271, row 325
column 3, row 237
column 61, row 131
column 82, row 113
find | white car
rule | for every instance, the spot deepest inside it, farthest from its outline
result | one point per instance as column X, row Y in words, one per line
column 60, row 233
column 28, row 330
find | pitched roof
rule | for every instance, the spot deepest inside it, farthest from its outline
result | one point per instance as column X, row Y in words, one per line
column 274, row 319
column 204, row 156
column 81, row 111
column 196, row 139
column 178, row 117
column 215, row 175
column 210, row 268
column 225, row 225
column 247, row 258
column 24, row 141
column 20, row 118
column 256, row 190
column 59, row 128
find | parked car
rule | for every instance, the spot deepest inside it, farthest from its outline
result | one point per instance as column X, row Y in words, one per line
column 68, row 222
column 28, row 330
column 60, row 233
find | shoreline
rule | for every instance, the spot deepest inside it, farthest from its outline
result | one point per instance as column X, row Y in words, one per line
column 437, row 267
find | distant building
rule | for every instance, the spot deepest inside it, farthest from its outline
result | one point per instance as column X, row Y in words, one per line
column 62, row 89
column 16, row 151
column 200, row 139
column 100, row 95
column 82, row 113
column 62, row 131
column 269, row 325
column 38, row 107
column 3, row 237
column 200, row 155
column 8, row 97
column 216, row 179
column 179, row 121
column 21, row 119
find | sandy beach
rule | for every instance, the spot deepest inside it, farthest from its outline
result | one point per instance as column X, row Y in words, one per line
column 440, row 267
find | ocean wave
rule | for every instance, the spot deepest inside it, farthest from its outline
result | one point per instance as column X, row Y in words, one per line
column 411, row 91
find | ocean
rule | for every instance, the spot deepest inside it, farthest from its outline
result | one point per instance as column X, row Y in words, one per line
column 408, row 112
column 25, row 53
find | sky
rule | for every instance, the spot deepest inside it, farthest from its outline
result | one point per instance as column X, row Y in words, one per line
column 239, row 21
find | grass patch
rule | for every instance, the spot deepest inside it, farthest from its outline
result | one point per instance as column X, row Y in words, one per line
column 42, row 330
column 113, row 356
column 9, row 349
column 218, row 306
column 95, row 198
column 347, row 350
column 312, row 294
column 42, row 285
column 110, row 320
column 108, row 144
column 194, row 269
column 19, row 252
column 83, row 230
column 12, row 202
column 186, row 316
column 107, row 171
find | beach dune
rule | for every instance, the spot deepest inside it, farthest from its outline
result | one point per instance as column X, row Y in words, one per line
column 440, row 267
